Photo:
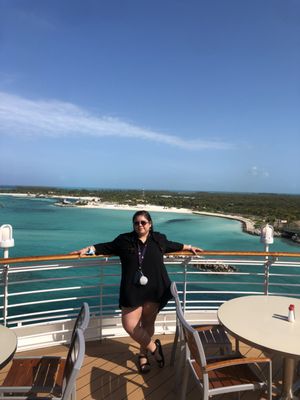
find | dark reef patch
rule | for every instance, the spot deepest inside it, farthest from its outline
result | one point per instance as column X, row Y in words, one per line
column 172, row 221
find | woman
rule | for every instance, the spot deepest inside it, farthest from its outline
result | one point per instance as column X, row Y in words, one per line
column 145, row 285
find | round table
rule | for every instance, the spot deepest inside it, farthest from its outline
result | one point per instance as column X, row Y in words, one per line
column 8, row 345
column 261, row 321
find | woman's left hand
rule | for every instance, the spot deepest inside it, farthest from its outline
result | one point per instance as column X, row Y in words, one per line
column 193, row 249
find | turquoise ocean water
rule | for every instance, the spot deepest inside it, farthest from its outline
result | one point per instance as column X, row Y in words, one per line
column 41, row 228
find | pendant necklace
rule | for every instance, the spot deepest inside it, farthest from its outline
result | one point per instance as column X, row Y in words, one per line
column 141, row 254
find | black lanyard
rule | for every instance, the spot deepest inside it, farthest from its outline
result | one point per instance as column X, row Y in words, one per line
column 141, row 254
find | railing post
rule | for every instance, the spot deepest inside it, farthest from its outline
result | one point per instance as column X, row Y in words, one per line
column 6, row 241
column 5, row 285
column 267, row 276
column 268, row 264
column 185, row 265
column 5, row 293
column 267, row 237
column 101, row 302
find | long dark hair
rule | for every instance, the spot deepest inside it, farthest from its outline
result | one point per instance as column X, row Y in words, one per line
column 144, row 214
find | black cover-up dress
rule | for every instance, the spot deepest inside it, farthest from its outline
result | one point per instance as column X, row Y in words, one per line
column 157, row 289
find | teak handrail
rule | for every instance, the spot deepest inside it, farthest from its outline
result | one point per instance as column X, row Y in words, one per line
column 15, row 260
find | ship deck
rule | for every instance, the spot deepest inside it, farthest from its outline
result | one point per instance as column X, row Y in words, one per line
column 110, row 372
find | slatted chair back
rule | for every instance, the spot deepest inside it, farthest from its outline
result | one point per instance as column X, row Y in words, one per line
column 222, row 374
column 191, row 337
column 45, row 375
column 210, row 335
column 73, row 364
column 82, row 320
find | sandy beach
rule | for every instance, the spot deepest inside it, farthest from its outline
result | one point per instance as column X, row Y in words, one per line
column 94, row 202
column 248, row 224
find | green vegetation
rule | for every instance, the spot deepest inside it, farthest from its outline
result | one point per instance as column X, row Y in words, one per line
column 273, row 208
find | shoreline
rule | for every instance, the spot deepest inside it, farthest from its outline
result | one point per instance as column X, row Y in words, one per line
column 248, row 225
column 92, row 202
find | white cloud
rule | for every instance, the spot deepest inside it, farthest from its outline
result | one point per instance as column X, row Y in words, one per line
column 258, row 172
column 52, row 118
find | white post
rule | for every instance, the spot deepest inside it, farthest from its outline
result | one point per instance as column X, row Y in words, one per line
column 267, row 237
column 6, row 241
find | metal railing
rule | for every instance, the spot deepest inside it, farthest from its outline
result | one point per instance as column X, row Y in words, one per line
column 40, row 291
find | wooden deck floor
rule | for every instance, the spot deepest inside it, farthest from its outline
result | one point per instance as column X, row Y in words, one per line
column 110, row 372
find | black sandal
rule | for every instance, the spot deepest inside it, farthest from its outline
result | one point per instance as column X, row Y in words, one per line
column 161, row 362
column 144, row 367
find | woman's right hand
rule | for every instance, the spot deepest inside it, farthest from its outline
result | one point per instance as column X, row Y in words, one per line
column 85, row 251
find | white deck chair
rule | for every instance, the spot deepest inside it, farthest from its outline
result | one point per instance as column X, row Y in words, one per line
column 211, row 335
column 221, row 374
column 30, row 377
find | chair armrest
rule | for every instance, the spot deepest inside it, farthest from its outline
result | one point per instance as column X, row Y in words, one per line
column 202, row 328
column 219, row 357
column 236, row 361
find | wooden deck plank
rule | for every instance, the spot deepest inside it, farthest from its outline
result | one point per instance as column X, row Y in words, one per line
column 110, row 372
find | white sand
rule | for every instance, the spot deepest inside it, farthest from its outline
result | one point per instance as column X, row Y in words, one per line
column 95, row 202
column 147, row 207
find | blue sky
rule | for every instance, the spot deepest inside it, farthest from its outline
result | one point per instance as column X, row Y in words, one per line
column 157, row 94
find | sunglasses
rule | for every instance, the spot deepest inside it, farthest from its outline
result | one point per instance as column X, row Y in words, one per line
column 143, row 223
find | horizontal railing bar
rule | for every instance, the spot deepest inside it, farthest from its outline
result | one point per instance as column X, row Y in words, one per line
column 222, row 283
column 96, row 296
column 96, row 262
column 65, row 278
column 284, row 275
column 16, row 260
column 51, row 301
column 226, row 261
column 51, row 290
column 284, row 284
column 287, row 263
column 201, row 308
column 57, row 318
column 63, row 300
column 182, row 253
column 204, row 301
column 218, row 292
column 285, row 294
column 49, row 312
column 74, row 277
column 41, row 312
column 46, row 290
column 16, row 269
column 224, row 273
column 241, row 264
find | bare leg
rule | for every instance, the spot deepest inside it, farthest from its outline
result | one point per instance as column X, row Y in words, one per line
column 139, row 324
column 148, row 318
column 131, row 321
